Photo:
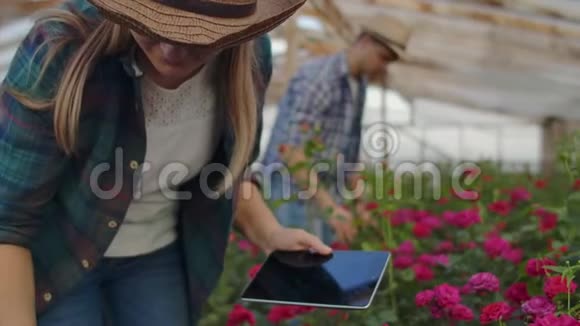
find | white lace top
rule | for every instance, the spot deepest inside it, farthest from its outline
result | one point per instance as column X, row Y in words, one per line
column 182, row 133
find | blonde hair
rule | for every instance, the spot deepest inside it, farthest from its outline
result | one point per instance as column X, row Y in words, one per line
column 237, row 91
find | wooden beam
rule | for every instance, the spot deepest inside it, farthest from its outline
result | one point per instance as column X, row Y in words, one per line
column 475, row 12
column 519, row 95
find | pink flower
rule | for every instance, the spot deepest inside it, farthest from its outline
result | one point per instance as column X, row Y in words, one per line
column 422, row 230
column 424, row 298
column 254, row 270
column 495, row 312
column 240, row 316
column 557, row 285
column 402, row 216
column 419, row 216
column 540, row 184
column 576, row 185
column 437, row 312
column 279, row 314
column 247, row 246
column 551, row 320
column 548, row 222
column 467, row 245
column 519, row 195
column 501, row 207
column 423, row 273
column 371, row 206
column 538, row 307
column 517, row 293
column 513, row 255
column 483, row 282
column 463, row 219
column 403, row 262
column 406, row 248
column 433, row 222
column 446, row 295
column 433, row 260
column 460, row 312
column 337, row 245
column 495, row 246
column 536, row 267
column 444, row 247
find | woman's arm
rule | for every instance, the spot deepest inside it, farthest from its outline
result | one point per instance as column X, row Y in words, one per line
column 257, row 222
column 16, row 287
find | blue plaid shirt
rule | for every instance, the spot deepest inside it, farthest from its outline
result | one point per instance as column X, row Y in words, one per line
column 47, row 199
column 319, row 96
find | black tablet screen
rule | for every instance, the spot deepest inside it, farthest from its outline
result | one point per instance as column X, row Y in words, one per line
column 346, row 278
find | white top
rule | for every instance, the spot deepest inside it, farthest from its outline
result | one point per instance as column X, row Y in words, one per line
column 182, row 136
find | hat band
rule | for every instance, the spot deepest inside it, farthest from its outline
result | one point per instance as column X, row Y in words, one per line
column 213, row 9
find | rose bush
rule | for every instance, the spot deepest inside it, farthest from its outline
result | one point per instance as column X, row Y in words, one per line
column 507, row 255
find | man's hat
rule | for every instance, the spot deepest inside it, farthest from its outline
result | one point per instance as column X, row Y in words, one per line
column 207, row 23
column 393, row 34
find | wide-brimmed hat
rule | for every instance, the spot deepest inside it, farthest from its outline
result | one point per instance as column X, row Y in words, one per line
column 393, row 34
column 207, row 23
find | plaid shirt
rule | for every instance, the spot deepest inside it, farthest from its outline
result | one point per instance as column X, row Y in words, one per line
column 47, row 203
column 319, row 96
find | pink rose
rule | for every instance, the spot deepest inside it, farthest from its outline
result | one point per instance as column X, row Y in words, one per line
column 460, row 312
column 424, row 298
column 495, row 312
column 240, row 316
column 423, row 273
column 406, row 248
column 433, row 260
column 502, row 208
column 538, row 307
column 495, row 246
column 444, row 247
column 513, row 255
column 254, row 270
column 446, row 295
column 403, row 262
column 517, row 293
column 519, row 195
column 535, row 267
column 557, row 285
column 422, row 230
column 551, row 320
column 483, row 282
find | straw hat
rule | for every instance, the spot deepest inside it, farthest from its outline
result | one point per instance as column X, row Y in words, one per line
column 208, row 23
column 391, row 33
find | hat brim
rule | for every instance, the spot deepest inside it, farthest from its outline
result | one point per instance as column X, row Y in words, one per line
column 183, row 27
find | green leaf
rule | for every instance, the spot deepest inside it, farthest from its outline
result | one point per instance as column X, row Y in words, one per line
column 407, row 275
column 557, row 269
column 367, row 246
column 388, row 316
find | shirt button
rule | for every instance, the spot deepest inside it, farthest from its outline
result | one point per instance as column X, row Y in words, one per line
column 113, row 225
column 85, row 263
column 47, row 296
column 134, row 165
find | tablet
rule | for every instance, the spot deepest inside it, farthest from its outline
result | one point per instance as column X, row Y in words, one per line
column 346, row 279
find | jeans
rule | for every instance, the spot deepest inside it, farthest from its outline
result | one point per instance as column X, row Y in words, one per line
column 299, row 213
column 148, row 290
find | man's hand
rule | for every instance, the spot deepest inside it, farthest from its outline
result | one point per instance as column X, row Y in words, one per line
column 341, row 221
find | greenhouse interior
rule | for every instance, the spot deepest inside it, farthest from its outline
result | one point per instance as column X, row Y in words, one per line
column 493, row 85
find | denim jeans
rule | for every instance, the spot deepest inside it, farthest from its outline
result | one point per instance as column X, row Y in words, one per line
column 148, row 290
column 300, row 214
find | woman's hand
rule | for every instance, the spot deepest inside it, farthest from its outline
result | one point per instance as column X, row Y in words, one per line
column 283, row 238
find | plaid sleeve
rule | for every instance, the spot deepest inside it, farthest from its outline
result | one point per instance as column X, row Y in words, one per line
column 305, row 104
column 30, row 160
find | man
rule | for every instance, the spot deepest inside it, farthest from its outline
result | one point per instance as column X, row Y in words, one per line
column 325, row 100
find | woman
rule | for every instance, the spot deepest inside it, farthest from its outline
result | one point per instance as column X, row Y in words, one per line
column 125, row 129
